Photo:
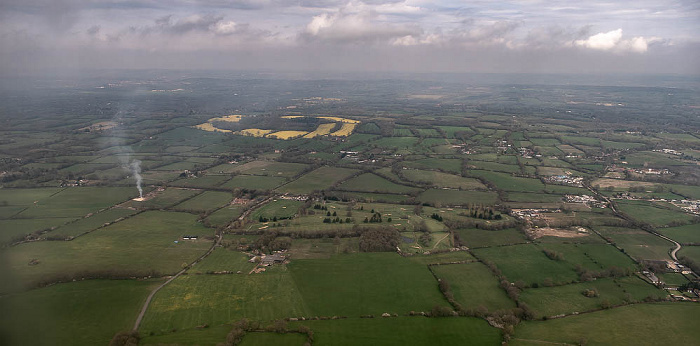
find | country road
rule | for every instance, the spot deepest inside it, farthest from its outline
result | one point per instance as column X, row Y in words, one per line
column 612, row 207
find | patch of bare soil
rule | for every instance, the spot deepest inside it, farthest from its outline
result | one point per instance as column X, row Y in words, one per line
column 574, row 232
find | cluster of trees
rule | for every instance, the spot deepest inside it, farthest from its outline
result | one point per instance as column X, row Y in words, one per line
column 337, row 219
column 320, row 207
column 131, row 338
column 274, row 218
column 470, row 223
column 436, row 216
column 614, row 271
column 270, row 241
column 484, row 213
column 375, row 218
column 553, row 255
column 379, row 239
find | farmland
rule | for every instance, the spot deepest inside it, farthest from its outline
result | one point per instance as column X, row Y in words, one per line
column 362, row 212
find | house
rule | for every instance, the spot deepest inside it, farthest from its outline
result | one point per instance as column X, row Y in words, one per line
column 190, row 237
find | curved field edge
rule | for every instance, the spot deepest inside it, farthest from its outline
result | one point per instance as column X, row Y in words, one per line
column 640, row 324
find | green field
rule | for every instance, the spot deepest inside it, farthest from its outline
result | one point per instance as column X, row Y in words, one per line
column 78, row 313
column 447, row 165
column 204, row 181
column 509, row 183
column 208, row 200
column 271, row 168
column 225, row 215
column 403, row 331
column 78, row 201
column 475, row 238
column 279, row 208
column 641, row 324
column 440, row 179
column 359, row 284
column 457, row 197
column 473, row 285
column 163, row 199
column 527, row 263
column 136, row 246
column 193, row 300
column 657, row 215
column 88, row 224
column 567, row 299
column 369, row 182
column 16, row 229
column 637, row 243
column 253, row 182
column 319, row 179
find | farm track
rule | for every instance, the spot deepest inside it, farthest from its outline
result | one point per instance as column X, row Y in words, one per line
column 211, row 249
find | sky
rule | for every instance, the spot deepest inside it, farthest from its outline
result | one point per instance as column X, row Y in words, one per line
column 512, row 36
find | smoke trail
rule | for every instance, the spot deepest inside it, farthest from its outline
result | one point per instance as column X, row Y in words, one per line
column 136, row 170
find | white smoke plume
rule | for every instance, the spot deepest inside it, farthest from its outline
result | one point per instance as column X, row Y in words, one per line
column 136, row 171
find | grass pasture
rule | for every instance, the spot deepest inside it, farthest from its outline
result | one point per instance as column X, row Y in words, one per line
column 225, row 215
column 475, row 237
column 359, row 284
column 319, row 179
column 163, row 199
column 77, row 313
column 440, row 179
column 136, row 246
column 473, row 285
column 205, row 181
column 207, row 200
column 446, row 165
column 279, row 208
column 78, row 201
column 640, row 324
column 270, row 168
column 193, row 300
column 93, row 222
column 508, row 182
column 655, row 214
column 457, row 197
column 528, row 263
column 254, row 182
column 567, row 299
column 15, row 229
column 369, row 182
column 403, row 331
column 637, row 243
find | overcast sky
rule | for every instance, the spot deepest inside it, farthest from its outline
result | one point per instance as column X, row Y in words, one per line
column 528, row 36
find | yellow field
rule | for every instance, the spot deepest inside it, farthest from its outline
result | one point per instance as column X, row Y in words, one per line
column 210, row 127
column 231, row 118
column 322, row 130
column 292, row 116
column 342, row 120
column 255, row 132
column 345, row 131
column 287, row 134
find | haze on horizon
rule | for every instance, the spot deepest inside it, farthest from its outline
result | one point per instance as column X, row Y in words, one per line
column 525, row 36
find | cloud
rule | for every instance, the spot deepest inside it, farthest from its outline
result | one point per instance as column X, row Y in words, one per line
column 612, row 41
column 356, row 23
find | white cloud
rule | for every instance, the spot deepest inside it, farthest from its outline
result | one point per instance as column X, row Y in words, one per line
column 356, row 24
column 602, row 41
column 613, row 41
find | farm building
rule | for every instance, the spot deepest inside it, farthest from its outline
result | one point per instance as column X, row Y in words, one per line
column 272, row 259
